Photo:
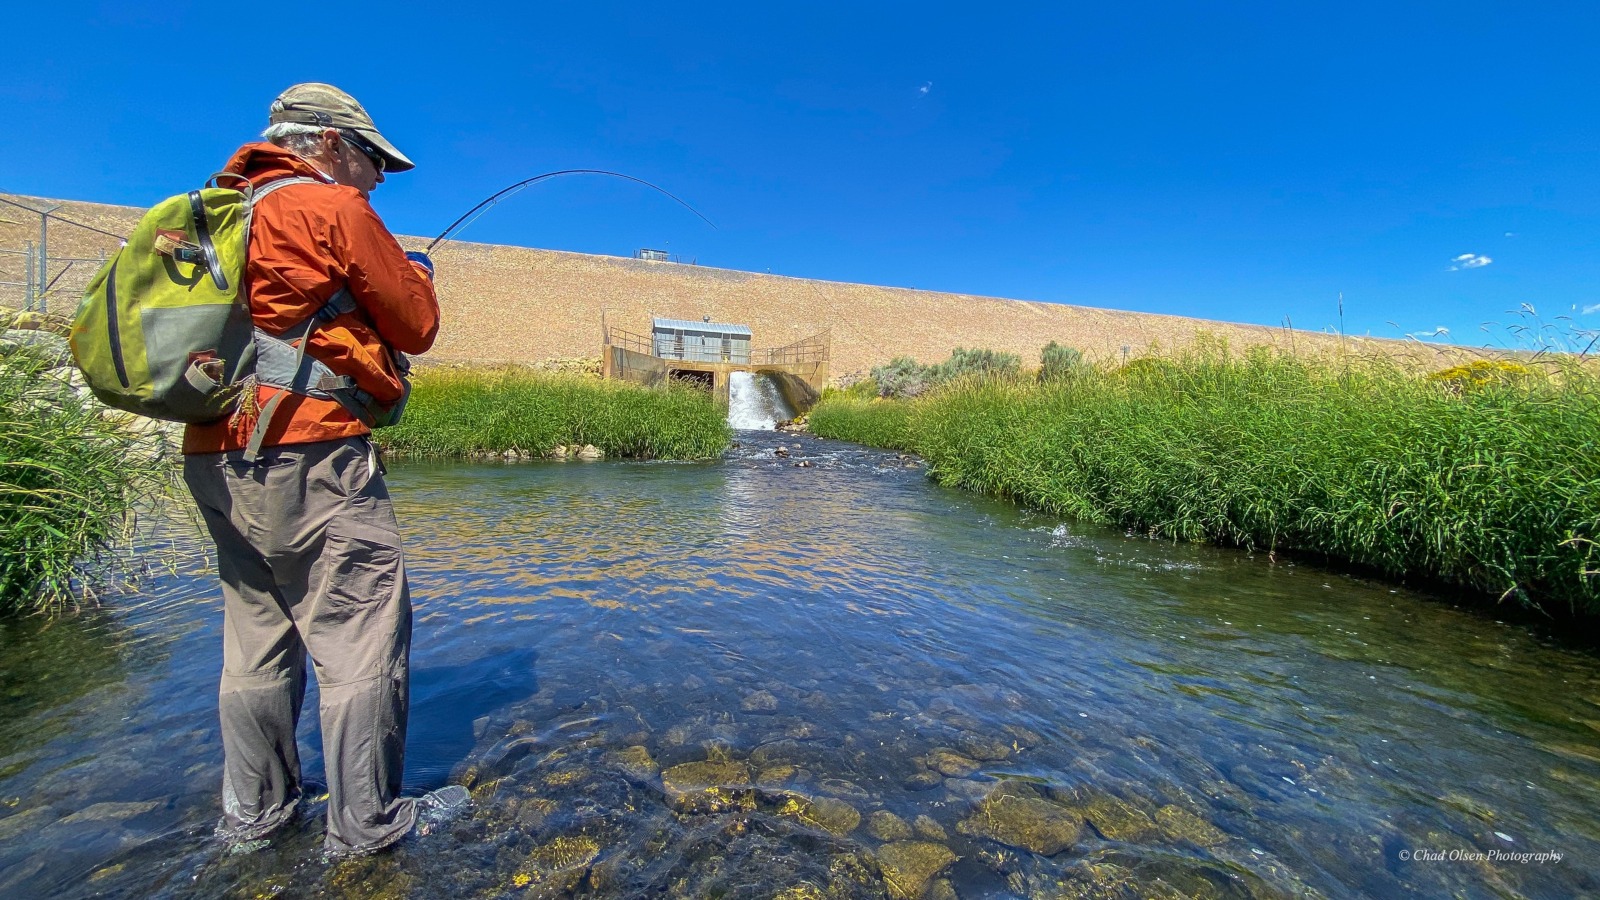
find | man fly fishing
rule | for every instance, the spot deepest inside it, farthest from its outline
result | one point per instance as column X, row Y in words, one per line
column 292, row 491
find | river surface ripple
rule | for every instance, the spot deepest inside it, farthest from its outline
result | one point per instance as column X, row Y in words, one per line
column 752, row 678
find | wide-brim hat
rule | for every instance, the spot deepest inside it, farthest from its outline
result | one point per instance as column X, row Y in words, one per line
column 314, row 103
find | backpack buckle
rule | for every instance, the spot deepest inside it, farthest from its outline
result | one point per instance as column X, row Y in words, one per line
column 176, row 245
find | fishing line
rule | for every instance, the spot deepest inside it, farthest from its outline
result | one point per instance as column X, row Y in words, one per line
column 475, row 213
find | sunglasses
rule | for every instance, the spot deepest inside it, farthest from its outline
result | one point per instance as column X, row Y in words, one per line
column 367, row 150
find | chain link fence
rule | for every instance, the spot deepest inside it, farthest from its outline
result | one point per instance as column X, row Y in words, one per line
column 47, row 261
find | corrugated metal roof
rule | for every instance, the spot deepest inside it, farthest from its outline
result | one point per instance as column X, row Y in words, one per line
column 660, row 324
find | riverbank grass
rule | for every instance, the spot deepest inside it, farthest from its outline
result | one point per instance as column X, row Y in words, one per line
column 472, row 412
column 1485, row 475
column 71, row 477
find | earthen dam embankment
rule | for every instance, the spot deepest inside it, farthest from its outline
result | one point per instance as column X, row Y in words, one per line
column 506, row 304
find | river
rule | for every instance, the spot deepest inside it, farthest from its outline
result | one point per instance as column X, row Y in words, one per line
column 756, row 678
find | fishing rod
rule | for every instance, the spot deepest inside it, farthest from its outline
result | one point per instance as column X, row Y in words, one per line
column 473, row 214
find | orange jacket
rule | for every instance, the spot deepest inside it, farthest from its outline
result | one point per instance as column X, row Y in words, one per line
column 307, row 240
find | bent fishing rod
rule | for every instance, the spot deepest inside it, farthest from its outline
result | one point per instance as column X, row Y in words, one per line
column 473, row 214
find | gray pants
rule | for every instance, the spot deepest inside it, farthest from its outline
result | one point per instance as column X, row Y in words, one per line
column 309, row 554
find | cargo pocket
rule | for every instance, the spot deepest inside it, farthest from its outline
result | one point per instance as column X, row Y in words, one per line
column 363, row 565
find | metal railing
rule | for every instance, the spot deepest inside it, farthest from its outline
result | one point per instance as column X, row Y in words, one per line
column 806, row 350
column 627, row 340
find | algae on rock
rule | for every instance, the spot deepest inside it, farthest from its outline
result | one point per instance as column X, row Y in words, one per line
column 909, row 865
column 1014, row 815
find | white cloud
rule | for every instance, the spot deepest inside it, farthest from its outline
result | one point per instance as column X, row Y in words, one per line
column 926, row 87
column 1469, row 261
column 1439, row 332
column 1591, row 309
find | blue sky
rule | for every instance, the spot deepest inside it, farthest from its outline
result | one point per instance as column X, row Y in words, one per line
column 1437, row 163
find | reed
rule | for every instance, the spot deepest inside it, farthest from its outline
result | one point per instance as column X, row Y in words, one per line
column 467, row 412
column 1487, row 476
column 70, row 480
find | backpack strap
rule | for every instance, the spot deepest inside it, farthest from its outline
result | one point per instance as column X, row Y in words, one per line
column 261, row 192
column 278, row 374
column 257, row 194
column 202, row 233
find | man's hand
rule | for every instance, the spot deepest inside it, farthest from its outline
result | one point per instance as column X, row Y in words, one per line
column 421, row 259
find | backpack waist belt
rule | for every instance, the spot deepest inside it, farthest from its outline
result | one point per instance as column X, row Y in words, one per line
column 281, row 364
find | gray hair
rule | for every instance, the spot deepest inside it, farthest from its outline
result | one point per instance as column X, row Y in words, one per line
column 294, row 137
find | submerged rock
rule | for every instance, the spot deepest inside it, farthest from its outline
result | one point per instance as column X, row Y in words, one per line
column 1014, row 815
column 110, row 812
column 1181, row 825
column 27, row 820
column 929, row 827
column 775, row 776
column 843, row 788
column 951, row 763
column 1118, row 820
column 909, row 865
column 801, row 730
column 925, row 780
column 635, row 764
column 886, row 826
column 760, row 702
column 982, row 746
column 968, row 788
column 777, row 753
column 1169, row 876
column 555, row 869
column 709, row 786
column 530, row 814
column 831, row 815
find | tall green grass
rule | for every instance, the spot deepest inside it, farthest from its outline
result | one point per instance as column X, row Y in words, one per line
column 1488, row 482
column 849, row 416
column 464, row 412
column 70, row 480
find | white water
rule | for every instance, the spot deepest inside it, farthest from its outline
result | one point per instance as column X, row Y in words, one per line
column 755, row 403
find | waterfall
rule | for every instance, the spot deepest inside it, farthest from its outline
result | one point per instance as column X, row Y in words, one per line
column 755, row 403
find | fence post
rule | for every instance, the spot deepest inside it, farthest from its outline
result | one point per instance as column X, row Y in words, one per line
column 44, row 270
column 44, row 255
column 27, row 255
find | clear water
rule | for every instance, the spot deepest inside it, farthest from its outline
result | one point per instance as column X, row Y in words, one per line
column 845, row 639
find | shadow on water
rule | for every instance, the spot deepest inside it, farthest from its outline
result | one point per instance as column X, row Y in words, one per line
column 451, row 706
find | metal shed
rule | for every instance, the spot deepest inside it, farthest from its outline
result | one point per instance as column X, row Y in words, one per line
column 700, row 341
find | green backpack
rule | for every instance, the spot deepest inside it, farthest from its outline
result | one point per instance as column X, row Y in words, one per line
column 164, row 329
